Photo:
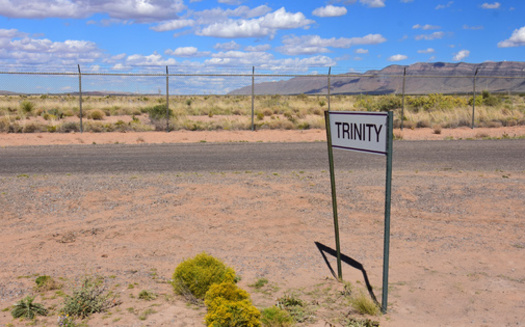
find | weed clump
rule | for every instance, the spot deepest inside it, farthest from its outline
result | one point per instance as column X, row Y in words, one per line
column 193, row 277
column 276, row 317
column 25, row 308
column 89, row 298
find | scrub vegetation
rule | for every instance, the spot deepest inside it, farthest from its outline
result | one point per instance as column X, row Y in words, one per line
column 110, row 113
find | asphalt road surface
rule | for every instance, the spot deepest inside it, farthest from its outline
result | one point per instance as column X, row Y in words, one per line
column 506, row 155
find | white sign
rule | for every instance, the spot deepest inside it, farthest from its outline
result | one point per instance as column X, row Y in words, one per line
column 359, row 131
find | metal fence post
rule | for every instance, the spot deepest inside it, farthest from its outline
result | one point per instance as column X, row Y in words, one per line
column 80, row 96
column 329, row 86
column 474, row 97
column 403, row 98
column 167, row 100
column 253, row 97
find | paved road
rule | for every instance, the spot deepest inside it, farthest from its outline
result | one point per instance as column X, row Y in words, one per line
column 507, row 155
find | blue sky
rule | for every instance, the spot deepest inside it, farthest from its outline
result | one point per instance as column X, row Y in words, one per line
column 220, row 36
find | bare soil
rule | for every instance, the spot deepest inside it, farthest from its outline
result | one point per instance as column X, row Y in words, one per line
column 457, row 254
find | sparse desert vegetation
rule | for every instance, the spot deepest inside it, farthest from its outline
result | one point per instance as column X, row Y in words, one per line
column 61, row 113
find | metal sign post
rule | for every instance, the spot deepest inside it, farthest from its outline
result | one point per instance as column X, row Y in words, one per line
column 368, row 132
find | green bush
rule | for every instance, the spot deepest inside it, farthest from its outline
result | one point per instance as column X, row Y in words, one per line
column 276, row 317
column 158, row 112
column 46, row 283
column 91, row 297
column 27, row 106
column 25, row 308
column 193, row 277
column 96, row 114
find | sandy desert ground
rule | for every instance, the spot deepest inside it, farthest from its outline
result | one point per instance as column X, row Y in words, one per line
column 457, row 253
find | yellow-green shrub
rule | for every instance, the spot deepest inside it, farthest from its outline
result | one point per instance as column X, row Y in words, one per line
column 195, row 276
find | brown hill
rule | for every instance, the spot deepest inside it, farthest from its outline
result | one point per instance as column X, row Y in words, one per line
column 421, row 78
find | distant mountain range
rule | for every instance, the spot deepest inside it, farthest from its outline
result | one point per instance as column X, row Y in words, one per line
column 421, row 78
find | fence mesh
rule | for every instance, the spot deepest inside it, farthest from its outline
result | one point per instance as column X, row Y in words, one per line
column 242, row 101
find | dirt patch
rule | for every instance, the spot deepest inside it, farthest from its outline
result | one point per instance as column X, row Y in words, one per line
column 457, row 242
column 314, row 135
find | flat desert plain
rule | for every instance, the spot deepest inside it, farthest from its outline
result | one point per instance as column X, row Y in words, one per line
column 457, row 255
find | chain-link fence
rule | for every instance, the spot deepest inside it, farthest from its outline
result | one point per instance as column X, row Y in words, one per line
column 73, row 94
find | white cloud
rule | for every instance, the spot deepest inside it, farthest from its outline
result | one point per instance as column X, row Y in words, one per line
column 185, row 52
column 494, row 5
column 429, row 37
column 259, row 27
column 154, row 59
column 461, row 55
column 329, row 11
column 173, row 25
column 373, row 3
column 361, row 51
column 218, row 15
column 426, row 27
column 231, row 2
column 517, row 39
column 228, row 46
column 311, row 44
column 140, row 10
column 397, row 57
column 257, row 48
column 448, row 5
column 428, row 50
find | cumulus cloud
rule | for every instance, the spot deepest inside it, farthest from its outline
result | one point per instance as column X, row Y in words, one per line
column 154, row 59
column 186, row 52
column 218, row 15
column 426, row 27
column 266, row 25
column 517, row 39
column 397, row 57
column 494, row 5
column 258, row 48
column 361, row 51
column 311, row 44
column 228, row 46
column 429, row 37
column 329, row 11
column 461, row 55
column 18, row 47
column 173, row 25
column 474, row 28
column 139, row 10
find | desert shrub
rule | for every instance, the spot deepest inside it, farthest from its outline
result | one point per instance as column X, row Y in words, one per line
column 193, row 277
column 96, row 114
column 33, row 128
column 27, row 106
column 364, row 304
column 68, row 127
column 158, row 112
column 228, row 305
column 297, row 308
column 276, row 317
column 4, row 124
column 91, row 297
column 147, row 295
column 25, row 308
column 224, row 291
column 388, row 102
column 233, row 314
column 46, row 283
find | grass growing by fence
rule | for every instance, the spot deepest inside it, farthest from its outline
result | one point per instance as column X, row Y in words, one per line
column 58, row 113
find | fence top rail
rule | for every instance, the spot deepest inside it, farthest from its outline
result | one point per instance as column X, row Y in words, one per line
column 261, row 75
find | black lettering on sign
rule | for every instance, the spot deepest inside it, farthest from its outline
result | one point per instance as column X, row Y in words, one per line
column 361, row 132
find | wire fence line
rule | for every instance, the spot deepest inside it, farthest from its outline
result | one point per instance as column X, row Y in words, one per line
column 164, row 84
